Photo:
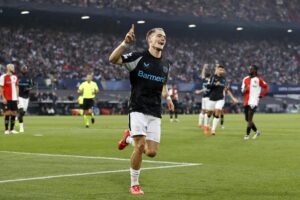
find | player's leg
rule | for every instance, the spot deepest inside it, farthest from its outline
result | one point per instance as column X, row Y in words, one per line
column 136, row 162
column 246, row 110
column 92, row 116
column 176, row 110
column 251, row 122
column 6, row 118
column 22, row 107
column 127, row 139
column 218, row 109
column 217, row 114
column 171, row 115
column 138, row 132
column 13, row 114
column 202, row 113
column 222, row 119
column 86, row 107
column 153, row 136
column 210, row 110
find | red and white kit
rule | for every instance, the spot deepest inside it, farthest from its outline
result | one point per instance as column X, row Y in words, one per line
column 9, row 84
column 252, row 89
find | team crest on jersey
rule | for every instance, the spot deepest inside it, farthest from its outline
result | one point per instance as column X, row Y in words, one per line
column 165, row 69
column 146, row 64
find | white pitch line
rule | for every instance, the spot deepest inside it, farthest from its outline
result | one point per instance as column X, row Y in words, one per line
column 96, row 157
column 93, row 173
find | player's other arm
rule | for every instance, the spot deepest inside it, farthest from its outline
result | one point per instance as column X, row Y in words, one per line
column 228, row 91
column 166, row 95
column 200, row 91
column 265, row 87
column 115, row 56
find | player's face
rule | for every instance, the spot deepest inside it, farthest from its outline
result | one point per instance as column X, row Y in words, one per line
column 157, row 40
column 220, row 71
column 89, row 77
column 251, row 70
column 11, row 68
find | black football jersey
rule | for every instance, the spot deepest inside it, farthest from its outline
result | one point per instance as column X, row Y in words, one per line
column 25, row 85
column 147, row 77
column 216, row 85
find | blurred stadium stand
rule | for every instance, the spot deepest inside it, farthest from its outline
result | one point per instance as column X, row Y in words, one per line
column 60, row 47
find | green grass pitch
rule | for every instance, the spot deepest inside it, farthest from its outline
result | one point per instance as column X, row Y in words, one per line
column 264, row 169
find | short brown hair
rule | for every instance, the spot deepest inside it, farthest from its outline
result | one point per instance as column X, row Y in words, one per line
column 151, row 31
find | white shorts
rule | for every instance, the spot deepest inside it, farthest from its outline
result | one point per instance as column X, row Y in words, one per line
column 147, row 125
column 216, row 105
column 204, row 105
column 23, row 103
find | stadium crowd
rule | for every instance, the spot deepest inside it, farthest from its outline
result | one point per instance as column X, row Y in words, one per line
column 271, row 10
column 56, row 55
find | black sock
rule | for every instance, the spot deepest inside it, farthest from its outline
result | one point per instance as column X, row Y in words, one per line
column 248, row 130
column 12, row 122
column 254, row 127
column 6, row 122
column 222, row 119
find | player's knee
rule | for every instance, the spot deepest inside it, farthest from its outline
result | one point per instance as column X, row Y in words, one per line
column 140, row 146
column 151, row 153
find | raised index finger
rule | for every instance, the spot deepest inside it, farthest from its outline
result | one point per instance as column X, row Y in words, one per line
column 132, row 28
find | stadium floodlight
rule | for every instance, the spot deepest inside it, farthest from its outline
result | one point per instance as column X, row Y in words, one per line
column 25, row 12
column 239, row 28
column 192, row 25
column 290, row 30
column 141, row 22
column 85, row 17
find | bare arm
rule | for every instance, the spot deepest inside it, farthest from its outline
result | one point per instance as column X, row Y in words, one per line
column 115, row 56
column 166, row 95
column 203, row 71
column 231, row 96
column 2, row 95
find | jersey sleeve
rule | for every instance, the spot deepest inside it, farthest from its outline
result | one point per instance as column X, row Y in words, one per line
column 265, row 87
column 2, row 80
column 81, row 87
column 130, row 60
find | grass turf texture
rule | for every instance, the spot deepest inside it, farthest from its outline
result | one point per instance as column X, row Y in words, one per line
column 266, row 168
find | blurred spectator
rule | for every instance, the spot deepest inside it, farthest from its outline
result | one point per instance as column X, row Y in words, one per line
column 249, row 10
column 54, row 55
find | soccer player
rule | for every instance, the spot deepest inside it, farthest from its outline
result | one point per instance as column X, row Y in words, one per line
column 205, row 98
column 252, row 89
column 218, row 87
column 25, row 85
column 89, row 89
column 9, row 89
column 148, row 77
column 173, row 92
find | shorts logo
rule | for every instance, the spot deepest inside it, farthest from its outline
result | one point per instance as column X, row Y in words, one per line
column 146, row 65
column 165, row 69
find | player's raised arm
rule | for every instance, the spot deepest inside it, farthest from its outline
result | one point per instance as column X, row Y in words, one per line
column 115, row 56
column 205, row 66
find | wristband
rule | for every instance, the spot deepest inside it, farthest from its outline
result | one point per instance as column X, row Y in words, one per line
column 168, row 98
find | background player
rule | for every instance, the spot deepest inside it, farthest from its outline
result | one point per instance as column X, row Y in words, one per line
column 148, row 78
column 217, row 85
column 251, row 88
column 9, row 90
column 205, row 98
column 173, row 92
column 25, row 85
column 89, row 89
